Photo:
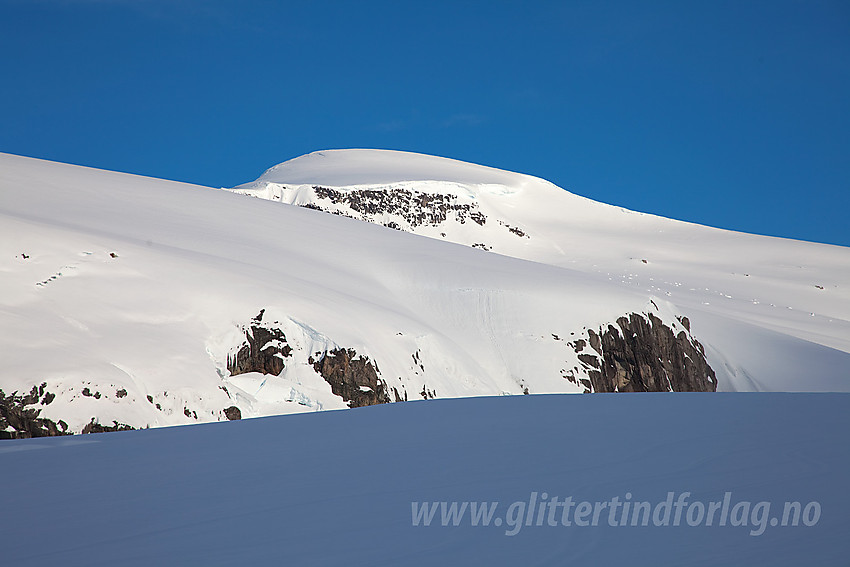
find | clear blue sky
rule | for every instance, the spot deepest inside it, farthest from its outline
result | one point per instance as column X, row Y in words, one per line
column 732, row 114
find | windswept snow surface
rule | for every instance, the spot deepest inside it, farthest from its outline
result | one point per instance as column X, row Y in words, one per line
column 758, row 286
column 126, row 294
column 336, row 488
column 368, row 167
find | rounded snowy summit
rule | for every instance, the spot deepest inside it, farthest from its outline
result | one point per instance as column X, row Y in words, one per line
column 371, row 167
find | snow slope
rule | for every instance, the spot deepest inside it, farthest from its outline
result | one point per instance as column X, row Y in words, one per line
column 126, row 295
column 773, row 285
column 336, row 488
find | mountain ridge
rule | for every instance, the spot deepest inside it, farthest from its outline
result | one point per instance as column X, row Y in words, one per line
column 560, row 228
column 131, row 297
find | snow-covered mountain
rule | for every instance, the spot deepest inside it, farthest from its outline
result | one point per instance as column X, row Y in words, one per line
column 793, row 287
column 130, row 301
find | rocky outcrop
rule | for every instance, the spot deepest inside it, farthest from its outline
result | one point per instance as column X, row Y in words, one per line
column 19, row 421
column 642, row 354
column 415, row 207
column 264, row 350
column 94, row 427
column 398, row 206
column 352, row 377
column 410, row 208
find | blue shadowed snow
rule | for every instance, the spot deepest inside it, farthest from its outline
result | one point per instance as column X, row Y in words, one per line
column 335, row 488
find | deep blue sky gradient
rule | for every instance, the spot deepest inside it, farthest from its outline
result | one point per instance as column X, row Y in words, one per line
column 732, row 114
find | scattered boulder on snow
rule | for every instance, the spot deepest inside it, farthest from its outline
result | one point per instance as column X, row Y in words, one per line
column 233, row 413
column 87, row 393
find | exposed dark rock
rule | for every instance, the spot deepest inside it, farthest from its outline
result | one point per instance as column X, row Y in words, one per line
column 263, row 351
column 417, row 361
column 569, row 375
column 233, row 413
column 86, row 392
column 352, row 377
column 589, row 359
column 415, row 207
column 122, row 393
column 428, row 394
column 398, row 397
column 25, row 421
column 514, row 229
column 595, row 341
column 644, row 355
column 95, row 427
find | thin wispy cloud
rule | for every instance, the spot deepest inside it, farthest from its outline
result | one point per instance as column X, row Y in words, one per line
column 463, row 120
column 391, row 126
